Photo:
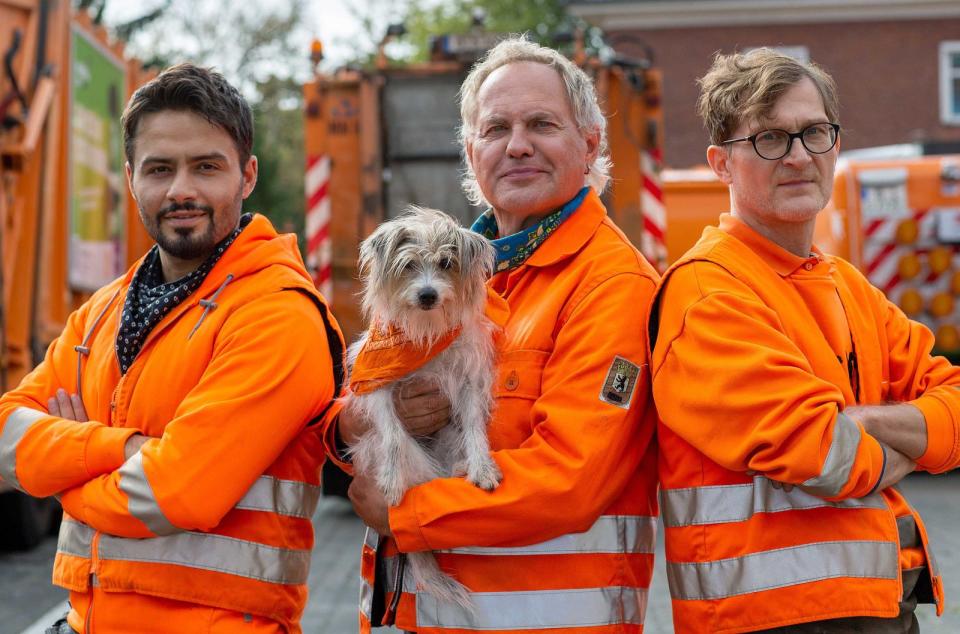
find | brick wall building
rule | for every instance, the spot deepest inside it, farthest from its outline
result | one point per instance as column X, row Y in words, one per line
column 896, row 62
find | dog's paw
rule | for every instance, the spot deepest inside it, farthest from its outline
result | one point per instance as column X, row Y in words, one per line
column 486, row 475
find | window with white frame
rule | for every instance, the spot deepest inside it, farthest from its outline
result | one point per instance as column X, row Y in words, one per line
column 950, row 82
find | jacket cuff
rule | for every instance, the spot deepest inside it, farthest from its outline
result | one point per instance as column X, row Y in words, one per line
column 334, row 447
column 72, row 503
column 942, row 434
column 104, row 449
column 871, row 455
column 405, row 525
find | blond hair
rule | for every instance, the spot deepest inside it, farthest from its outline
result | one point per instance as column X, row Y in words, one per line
column 580, row 92
column 746, row 86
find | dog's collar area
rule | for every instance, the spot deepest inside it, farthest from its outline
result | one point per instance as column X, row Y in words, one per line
column 388, row 355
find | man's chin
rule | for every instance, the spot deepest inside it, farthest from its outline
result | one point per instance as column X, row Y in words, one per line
column 187, row 245
column 801, row 207
column 530, row 201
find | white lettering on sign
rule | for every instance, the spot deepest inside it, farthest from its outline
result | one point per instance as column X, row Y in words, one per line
column 883, row 193
column 948, row 224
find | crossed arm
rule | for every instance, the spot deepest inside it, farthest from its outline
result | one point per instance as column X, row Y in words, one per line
column 70, row 407
column 729, row 344
column 902, row 431
column 224, row 433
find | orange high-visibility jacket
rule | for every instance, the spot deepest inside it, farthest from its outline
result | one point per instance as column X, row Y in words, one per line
column 565, row 543
column 215, row 508
column 756, row 353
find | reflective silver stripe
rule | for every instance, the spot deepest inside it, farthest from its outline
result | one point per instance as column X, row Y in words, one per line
column 371, row 538
column 366, row 599
column 18, row 422
column 542, row 609
column 934, row 568
column 782, row 567
column 840, row 457
column 283, row 497
column 524, row 609
column 907, row 528
column 75, row 538
column 739, row 502
column 390, row 565
column 205, row 551
column 609, row 534
column 141, row 501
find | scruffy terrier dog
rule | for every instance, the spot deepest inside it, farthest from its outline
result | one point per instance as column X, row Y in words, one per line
column 425, row 297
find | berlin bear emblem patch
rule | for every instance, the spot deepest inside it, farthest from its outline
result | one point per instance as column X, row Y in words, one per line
column 618, row 387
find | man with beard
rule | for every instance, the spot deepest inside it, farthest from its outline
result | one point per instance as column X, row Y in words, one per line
column 173, row 417
column 792, row 394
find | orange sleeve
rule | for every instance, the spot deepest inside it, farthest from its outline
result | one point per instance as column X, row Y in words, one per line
column 580, row 454
column 931, row 383
column 730, row 382
column 271, row 372
column 41, row 454
column 329, row 437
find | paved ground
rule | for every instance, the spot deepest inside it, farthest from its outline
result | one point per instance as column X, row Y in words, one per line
column 26, row 594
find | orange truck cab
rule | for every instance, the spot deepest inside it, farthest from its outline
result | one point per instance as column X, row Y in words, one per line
column 67, row 222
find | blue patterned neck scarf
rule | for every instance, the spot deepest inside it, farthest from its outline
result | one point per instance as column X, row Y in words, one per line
column 513, row 250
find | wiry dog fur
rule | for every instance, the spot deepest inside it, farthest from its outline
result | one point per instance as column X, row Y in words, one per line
column 421, row 254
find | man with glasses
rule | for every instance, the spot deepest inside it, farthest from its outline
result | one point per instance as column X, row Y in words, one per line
column 792, row 395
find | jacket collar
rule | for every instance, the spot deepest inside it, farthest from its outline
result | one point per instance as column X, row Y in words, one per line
column 258, row 246
column 778, row 258
column 571, row 236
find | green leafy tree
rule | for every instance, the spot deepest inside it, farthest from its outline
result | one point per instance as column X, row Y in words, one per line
column 541, row 19
column 278, row 145
column 372, row 17
column 259, row 47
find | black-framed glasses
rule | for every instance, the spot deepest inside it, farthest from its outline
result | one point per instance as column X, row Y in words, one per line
column 775, row 144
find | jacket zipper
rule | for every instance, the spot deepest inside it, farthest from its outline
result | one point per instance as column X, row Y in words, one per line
column 113, row 409
column 113, row 401
column 391, row 614
column 853, row 365
column 94, row 562
column 853, row 370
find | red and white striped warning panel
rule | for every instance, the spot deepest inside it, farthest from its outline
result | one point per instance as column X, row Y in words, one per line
column 910, row 253
column 319, row 252
column 653, row 243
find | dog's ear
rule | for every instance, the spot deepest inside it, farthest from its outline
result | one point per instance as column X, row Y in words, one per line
column 371, row 250
column 378, row 246
column 476, row 252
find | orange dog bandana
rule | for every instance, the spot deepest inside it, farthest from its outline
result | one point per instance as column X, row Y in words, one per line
column 388, row 355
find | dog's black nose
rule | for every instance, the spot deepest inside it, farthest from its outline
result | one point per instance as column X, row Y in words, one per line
column 427, row 298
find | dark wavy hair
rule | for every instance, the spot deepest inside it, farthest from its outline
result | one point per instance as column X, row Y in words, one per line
column 191, row 88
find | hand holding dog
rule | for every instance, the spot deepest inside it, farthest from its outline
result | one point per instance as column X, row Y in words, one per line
column 421, row 406
column 369, row 504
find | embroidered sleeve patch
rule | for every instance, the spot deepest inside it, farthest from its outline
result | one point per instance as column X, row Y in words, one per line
column 621, row 381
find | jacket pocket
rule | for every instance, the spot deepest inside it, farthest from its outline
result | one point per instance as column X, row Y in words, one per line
column 517, row 388
column 519, row 374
